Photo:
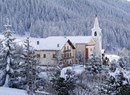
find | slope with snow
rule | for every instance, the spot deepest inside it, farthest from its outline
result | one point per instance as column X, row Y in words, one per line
column 11, row 91
column 69, row 17
column 77, row 69
column 112, row 57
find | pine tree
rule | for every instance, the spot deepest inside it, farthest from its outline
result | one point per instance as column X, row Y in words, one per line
column 19, row 79
column 63, row 86
column 94, row 65
column 31, row 68
column 8, row 54
column 116, row 82
column 2, row 65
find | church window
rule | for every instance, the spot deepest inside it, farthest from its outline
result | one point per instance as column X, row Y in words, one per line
column 95, row 34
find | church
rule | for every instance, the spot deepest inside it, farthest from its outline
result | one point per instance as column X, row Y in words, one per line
column 68, row 49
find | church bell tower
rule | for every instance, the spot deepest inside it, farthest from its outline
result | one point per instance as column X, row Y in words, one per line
column 97, row 36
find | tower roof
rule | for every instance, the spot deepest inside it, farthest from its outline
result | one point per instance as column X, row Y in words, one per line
column 96, row 22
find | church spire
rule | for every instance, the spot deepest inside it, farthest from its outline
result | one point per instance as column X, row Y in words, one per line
column 97, row 36
column 96, row 22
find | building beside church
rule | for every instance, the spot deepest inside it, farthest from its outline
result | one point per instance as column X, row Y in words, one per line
column 54, row 50
column 68, row 49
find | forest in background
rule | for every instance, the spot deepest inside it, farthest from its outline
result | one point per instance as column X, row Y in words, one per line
column 43, row 18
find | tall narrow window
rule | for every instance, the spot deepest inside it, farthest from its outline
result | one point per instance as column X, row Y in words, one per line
column 64, row 48
column 54, row 55
column 67, row 55
column 70, row 54
column 44, row 55
column 64, row 55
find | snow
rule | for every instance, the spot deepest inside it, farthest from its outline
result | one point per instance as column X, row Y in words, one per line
column 63, row 71
column 49, row 43
column 117, row 71
column 42, row 92
column 57, row 42
column 6, row 81
column 43, row 75
column 52, row 42
column 79, row 39
column 12, row 91
column 103, row 51
column 112, row 57
column 77, row 69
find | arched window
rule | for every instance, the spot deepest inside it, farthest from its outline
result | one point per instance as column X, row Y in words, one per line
column 95, row 33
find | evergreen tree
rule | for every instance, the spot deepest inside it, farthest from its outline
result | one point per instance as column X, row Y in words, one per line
column 19, row 78
column 116, row 82
column 94, row 65
column 64, row 86
column 8, row 53
column 2, row 65
column 31, row 68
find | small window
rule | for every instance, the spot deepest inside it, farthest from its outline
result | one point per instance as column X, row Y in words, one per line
column 54, row 55
column 70, row 62
column 64, row 55
column 38, row 55
column 70, row 54
column 58, row 45
column 67, row 47
column 37, row 42
column 44, row 55
column 95, row 34
column 64, row 48
column 67, row 54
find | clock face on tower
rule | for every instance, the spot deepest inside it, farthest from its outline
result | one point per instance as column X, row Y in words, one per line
column 95, row 33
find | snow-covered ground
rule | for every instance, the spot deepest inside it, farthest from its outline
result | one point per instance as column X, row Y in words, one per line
column 77, row 69
column 112, row 57
column 12, row 91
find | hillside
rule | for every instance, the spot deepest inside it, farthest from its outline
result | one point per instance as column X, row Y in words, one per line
column 69, row 17
column 12, row 91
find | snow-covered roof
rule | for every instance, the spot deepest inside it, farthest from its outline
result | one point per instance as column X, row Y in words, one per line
column 112, row 57
column 50, row 43
column 57, row 42
column 103, row 51
column 53, row 42
column 79, row 39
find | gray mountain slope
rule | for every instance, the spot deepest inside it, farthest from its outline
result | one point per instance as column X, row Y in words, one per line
column 44, row 18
